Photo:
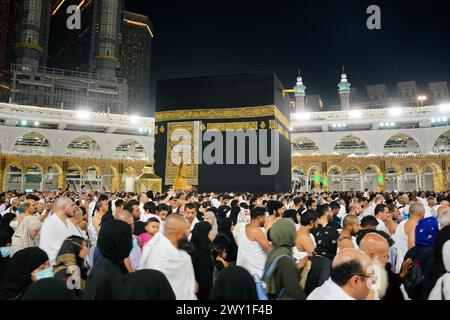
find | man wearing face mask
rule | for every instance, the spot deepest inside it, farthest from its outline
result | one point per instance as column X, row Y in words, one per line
column 57, row 228
column 164, row 253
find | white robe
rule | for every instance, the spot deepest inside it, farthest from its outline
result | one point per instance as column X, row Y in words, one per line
column 329, row 291
column 401, row 244
column 160, row 254
column 53, row 234
column 382, row 226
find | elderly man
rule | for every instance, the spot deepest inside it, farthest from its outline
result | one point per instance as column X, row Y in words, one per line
column 350, row 276
column 444, row 218
column 377, row 248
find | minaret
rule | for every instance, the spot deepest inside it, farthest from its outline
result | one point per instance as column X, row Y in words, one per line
column 299, row 94
column 344, row 91
column 107, row 23
column 31, row 45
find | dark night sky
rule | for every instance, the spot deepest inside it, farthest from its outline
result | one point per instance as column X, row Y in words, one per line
column 195, row 38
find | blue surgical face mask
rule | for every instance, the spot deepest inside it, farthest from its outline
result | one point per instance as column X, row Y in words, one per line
column 5, row 251
column 46, row 273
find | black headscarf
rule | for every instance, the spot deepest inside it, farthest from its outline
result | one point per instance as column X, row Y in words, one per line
column 48, row 289
column 200, row 240
column 224, row 226
column 105, row 280
column 69, row 256
column 69, row 253
column 139, row 228
column 234, row 283
column 202, row 259
column 17, row 275
column 115, row 241
column 4, row 223
column 222, row 211
column 5, row 239
column 225, row 237
column 234, row 214
column 106, row 218
column 147, row 284
column 326, row 240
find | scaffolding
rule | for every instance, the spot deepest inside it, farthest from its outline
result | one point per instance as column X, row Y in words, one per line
column 67, row 89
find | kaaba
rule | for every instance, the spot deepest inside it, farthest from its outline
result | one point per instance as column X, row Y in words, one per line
column 250, row 105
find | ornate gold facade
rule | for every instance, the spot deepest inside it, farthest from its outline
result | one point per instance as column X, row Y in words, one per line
column 436, row 164
column 117, row 168
column 148, row 180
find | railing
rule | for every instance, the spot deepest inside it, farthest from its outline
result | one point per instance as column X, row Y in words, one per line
column 66, row 73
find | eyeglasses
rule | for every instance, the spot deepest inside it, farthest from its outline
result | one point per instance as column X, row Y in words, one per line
column 371, row 276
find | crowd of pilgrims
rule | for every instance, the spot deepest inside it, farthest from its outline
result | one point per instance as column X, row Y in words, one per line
column 230, row 246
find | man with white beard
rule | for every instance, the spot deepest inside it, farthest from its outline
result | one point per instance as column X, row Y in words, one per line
column 388, row 284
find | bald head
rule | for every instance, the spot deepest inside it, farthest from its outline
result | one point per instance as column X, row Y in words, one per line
column 124, row 215
column 416, row 210
column 375, row 246
column 62, row 203
column 175, row 223
column 350, row 254
column 350, row 271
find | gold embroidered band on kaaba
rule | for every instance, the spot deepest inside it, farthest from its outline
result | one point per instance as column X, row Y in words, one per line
column 223, row 113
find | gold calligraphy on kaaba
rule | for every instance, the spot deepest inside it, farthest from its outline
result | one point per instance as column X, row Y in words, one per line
column 224, row 126
column 223, row 113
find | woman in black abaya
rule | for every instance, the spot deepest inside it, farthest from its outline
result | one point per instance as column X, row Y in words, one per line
column 105, row 280
column 226, row 239
column 202, row 258
column 19, row 272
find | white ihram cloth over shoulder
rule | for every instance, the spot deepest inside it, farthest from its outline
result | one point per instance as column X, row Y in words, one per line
column 401, row 244
column 329, row 291
column 160, row 254
column 53, row 234
column 251, row 255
